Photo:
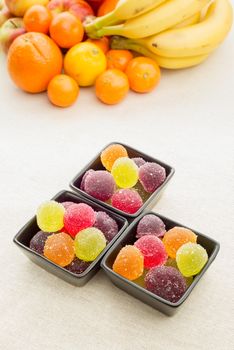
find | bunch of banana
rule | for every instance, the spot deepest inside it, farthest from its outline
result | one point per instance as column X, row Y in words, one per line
column 176, row 33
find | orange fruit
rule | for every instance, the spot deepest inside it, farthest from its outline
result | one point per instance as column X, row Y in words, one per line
column 112, row 86
column 118, row 59
column 37, row 19
column 63, row 90
column 33, row 60
column 106, row 7
column 66, row 30
column 102, row 43
column 84, row 62
column 143, row 74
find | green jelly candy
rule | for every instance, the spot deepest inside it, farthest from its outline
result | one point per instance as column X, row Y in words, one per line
column 191, row 258
column 89, row 243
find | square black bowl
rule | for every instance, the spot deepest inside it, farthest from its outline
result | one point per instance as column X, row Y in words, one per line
column 23, row 237
column 132, row 152
column 128, row 237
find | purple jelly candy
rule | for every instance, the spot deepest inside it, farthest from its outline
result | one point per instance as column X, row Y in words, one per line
column 139, row 161
column 150, row 225
column 106, row 224
column 151, row 176
column 166, row 282
column 84, row 177
column 37, row 243
column 77, row 266
column 99, row 184
column 67, row 204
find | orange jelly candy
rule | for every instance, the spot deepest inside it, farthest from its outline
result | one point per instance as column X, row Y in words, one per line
column 129, row 263
column 111, row 153
column 175, row 238
column 59, row 248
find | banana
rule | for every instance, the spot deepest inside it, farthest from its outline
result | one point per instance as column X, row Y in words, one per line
column 189, row 21
column 124, row 10
column 163, row 62
column 198, row 39
column 157, row 20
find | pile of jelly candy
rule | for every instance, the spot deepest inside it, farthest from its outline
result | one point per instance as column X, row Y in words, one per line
column 163, row 262
column 125, row 183
column 72, row 235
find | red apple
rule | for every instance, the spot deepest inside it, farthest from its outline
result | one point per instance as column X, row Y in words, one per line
column 79, row 8
column 95, row 4
column 4, row 12
column 10, row 30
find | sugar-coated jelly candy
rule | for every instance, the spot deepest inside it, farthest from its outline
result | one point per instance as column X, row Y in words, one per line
column 172, row 262
column 166, row 282
column 59, row 248
column 78, row 217
column 67, row 204
column 106, row 224
column 139, row 161
column 77, row 266
column 99, row 184
column 37, row 243
column 151, row 176
column 191, row 258
column 129, row 263
column 50, row 216
column 84, row 177
column 111, row 153
column 125, row 172
column 89, row 243
column 152, row 249
column 150, row 224
column 127, row 200
column 176, row 237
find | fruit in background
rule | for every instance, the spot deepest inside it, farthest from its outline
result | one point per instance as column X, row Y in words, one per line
column 199, row 39
column 95, row 4
column 66, row 30
column 143, row 74
column 62, row 90
column 4, row 12
column 106, row 7
column 37, row 19
column 111, row 86
column 189, row 21
column 9, row 31
column 102, row 43
column 139, row 46
column 19, row 7
column 79, row 8
column 118, row 59
column 156, row 20
column 33, row 60
column 85, row 62
column 124, row 10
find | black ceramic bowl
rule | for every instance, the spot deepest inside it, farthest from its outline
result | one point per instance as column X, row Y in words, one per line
column 97, row 165
column 128, row 237
column 23, row 237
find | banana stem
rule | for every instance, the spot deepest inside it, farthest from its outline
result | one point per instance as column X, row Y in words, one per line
column 99, row 22
column 120, row 43
column 110, row 30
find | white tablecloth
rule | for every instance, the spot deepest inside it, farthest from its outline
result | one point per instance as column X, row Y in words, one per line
column 188, row 122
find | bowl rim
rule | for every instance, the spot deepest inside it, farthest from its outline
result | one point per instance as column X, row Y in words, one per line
column 120, row 212
column 94, row 262
column 153, row 296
